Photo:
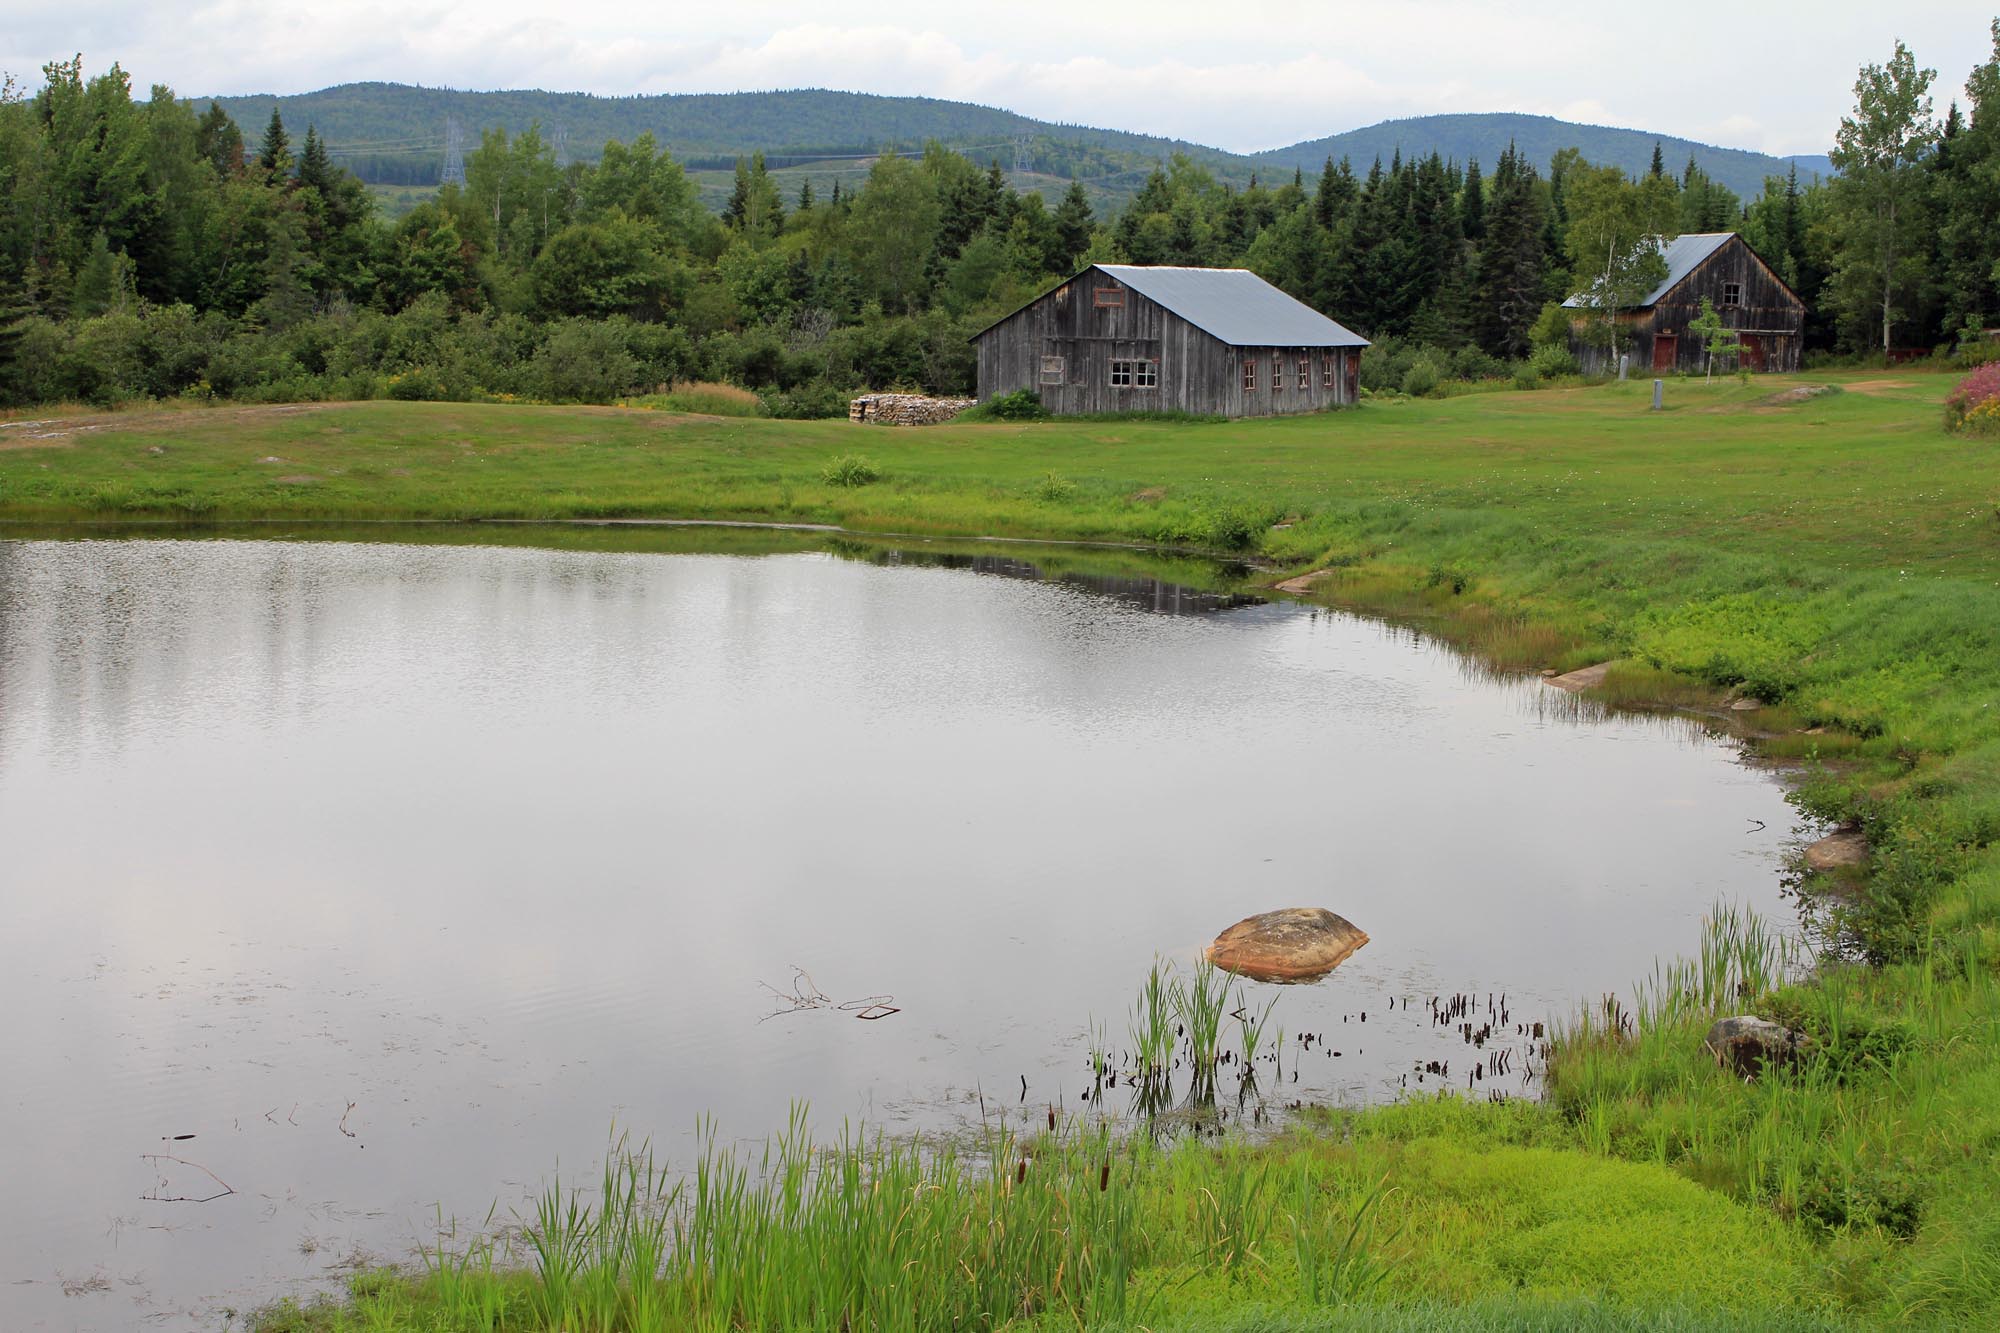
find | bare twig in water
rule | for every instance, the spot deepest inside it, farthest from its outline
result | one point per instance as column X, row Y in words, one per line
column 343, row 1119
column 806, row 994
column 160, row 1196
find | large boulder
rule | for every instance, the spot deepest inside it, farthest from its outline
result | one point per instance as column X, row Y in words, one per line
column 1294, row 944
column 1746, row 1044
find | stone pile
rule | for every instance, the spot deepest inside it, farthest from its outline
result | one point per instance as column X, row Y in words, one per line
column 905, row 409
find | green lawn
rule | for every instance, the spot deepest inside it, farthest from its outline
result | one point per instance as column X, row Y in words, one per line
column 1836, row 557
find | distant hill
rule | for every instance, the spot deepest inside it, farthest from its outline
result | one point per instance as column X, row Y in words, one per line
column 394, row 135
column 1541, row 138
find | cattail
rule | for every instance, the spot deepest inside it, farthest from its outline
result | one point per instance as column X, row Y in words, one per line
column 1104, row 1177
column 1021, row 1172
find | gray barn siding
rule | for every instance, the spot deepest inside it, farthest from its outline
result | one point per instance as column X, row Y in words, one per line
column 1198, row 372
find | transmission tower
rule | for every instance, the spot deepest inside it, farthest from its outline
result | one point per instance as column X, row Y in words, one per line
column 454, row 153
column 562, row 147
column 1021, row 153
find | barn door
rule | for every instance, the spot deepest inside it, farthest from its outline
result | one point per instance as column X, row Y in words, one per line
column 1351, row 361
column 1665, row 347
column 1752, row 355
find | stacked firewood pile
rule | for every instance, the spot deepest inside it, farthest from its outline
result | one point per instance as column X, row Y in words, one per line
column 905, row 409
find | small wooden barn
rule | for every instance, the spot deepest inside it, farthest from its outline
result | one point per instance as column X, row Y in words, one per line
column 1126, row 337
column 1767, row 316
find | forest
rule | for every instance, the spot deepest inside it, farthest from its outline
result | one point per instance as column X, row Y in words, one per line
column 147, row 251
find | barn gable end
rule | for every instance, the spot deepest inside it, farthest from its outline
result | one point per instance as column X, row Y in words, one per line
column 1120, row 338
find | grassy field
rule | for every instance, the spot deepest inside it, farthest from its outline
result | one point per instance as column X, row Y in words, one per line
column 1836, row 557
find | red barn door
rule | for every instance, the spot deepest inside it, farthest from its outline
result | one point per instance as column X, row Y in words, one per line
column 1665, row 345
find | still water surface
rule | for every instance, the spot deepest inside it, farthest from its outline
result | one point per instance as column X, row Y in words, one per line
column 398, row 875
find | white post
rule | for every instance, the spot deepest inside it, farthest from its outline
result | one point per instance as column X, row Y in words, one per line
column 1659, row 388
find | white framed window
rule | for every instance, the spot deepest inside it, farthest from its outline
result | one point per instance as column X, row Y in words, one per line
column 1135, row 374
column 1121, row 374
column 1732, row 293
column 1305, row 373
column 1277, row 373
column 1326, row 367
column 1053, row 370
column 1250, row 375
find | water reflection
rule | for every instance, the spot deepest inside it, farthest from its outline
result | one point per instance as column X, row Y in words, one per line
column 471, row 852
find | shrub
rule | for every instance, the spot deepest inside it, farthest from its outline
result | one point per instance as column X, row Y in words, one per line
column 849, row 470
column 1974, row 406
column 418, row 384
column 1552, row 360
column 1020, row 405
column 584, row 361
column 1421, row 379
column 808, row 402
column 1054, row 488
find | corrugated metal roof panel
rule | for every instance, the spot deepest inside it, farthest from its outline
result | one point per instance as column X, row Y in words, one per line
column 1683, row 255
column 1235, row 306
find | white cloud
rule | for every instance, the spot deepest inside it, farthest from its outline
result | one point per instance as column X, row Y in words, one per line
column 1251, row 75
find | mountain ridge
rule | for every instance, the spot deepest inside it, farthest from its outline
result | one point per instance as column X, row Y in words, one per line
column 394, row 134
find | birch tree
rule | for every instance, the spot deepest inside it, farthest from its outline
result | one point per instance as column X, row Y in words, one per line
column 1879, row 152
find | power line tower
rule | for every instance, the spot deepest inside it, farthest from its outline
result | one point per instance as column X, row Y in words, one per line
column 454, row 153
column 1021, row 143
column 562, row 147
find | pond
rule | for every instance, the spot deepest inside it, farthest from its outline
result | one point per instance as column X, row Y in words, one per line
column 371, row 881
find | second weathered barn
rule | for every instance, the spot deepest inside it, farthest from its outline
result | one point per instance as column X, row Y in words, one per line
column 1764, row 313
column 1125, row 337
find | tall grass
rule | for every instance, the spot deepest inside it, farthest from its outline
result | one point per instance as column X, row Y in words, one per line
column 875, row 1233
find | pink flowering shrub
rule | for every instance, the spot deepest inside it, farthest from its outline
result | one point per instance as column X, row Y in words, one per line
column 1974, row 406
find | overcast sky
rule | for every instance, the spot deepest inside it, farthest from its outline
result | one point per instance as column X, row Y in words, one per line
column 1766, row 74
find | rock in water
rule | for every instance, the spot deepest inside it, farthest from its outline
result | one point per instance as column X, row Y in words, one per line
column 1295, row 944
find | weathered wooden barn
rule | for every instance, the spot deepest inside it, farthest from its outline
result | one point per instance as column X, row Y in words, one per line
column 1125, row 337
column 1766, row 315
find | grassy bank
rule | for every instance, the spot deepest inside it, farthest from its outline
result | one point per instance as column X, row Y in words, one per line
column 1835, row 557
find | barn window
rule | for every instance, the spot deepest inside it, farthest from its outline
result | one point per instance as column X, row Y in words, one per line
column 1250, row 374
column 1277, row 373
column 1135, row 374
column 1121, row 374
column 1052, row 370
column 1305, row 373
column 1109, row 297
column 1732, row 293
column 1326, row 364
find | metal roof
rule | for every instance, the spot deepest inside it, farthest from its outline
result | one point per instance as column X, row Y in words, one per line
column 1235, row 306
column 1683, row 255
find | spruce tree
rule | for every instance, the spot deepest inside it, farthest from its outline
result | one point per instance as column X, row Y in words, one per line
column 1074, row 224
column 315, row 166
column 1659, row 167
column 1472, row 204
column 274, row 155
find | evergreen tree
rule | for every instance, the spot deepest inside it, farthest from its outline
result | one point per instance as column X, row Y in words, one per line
column 274, row 154
column 219, row 142
column 1659, row 167
column 805, row 203
column 103, row 281
column 1333, row 201
column 315, row 166
column 1074, row 224
column 1513, row 263
column 1472, row 204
